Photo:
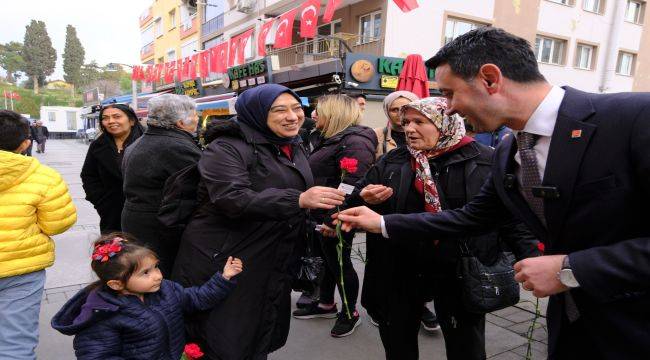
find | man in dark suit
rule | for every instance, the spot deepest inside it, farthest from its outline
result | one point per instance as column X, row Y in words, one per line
column 576, row 171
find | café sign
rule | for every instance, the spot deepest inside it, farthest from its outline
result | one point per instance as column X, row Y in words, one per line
column 371, row 72
column 250, row 74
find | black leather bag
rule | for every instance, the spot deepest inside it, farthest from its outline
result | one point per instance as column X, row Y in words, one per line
column 487, row 288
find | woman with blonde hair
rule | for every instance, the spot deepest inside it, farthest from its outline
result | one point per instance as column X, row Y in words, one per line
column 342, row 137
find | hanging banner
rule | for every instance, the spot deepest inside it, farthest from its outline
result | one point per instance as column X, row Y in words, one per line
column 241, row 45
column 261, row 37
column 284, row 32
column 204, row 63
column 309, row 18
column 219, row 58
column 332, row 5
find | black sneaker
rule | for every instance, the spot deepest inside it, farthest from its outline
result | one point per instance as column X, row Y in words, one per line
column 305, row 300
column 429, row 320
column 314, row 311
column 344, row 326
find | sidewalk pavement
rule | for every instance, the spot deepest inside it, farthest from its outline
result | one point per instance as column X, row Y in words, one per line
column 308, row 339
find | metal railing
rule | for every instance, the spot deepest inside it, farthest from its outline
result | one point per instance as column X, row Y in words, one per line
column 213, row 25
column 327, row 47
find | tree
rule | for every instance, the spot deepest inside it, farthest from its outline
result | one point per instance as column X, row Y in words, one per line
column 39, row 55
column 73, row 57
column 30, row 82
column 11, row 59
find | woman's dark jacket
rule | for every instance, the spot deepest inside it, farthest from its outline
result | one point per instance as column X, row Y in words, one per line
column 101, row 177
column 147, row 164
column 248, row 208
column 358, row 142
column 107, row 326
column 419, row 264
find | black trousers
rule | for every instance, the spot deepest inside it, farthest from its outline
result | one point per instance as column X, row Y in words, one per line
column 464, row 332
column 399, row 335
column 332, row 274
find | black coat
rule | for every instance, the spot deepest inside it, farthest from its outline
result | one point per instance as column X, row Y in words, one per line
column 249, row 209
column 419, row 265
column 147, row 164
column 600, row 164
column 101, row 177
column 358, row 142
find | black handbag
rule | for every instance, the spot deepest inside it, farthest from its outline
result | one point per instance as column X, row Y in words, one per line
column 487, row 288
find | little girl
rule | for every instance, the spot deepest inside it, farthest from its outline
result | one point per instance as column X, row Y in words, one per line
column 132, row 312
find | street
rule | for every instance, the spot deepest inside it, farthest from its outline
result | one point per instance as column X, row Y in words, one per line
column 308, row 339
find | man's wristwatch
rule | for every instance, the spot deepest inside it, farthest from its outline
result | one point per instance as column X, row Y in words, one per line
column 565, row 275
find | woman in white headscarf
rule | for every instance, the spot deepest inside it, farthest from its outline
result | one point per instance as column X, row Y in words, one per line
column 392, row 135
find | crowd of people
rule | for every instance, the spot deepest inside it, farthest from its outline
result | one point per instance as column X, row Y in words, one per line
column 229, row 220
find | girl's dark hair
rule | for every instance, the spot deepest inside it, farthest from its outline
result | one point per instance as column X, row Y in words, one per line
column 124, row 108
column 124, row 263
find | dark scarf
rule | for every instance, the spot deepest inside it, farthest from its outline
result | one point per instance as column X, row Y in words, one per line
column 253, row 107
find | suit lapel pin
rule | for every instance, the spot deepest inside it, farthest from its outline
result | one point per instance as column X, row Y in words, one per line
column 576, row 134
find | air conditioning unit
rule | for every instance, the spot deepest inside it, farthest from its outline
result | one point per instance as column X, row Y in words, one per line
column 246, row 6
column 189, row 3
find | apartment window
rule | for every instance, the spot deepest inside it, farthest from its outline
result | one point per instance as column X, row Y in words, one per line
column 146, row 36
column 634, row 11
column 625, row 63
column 457, row 27
column 171, row 55
column 71, row 117
column 189, row 49
column 549, row 50
column 51, row 116
column 172, row 19
column 370, row 27
column 594, row 6
column 585, row 55
column 187, row 15
column 158, row 28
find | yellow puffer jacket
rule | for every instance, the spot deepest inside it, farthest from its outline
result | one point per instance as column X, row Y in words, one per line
column 34, row 204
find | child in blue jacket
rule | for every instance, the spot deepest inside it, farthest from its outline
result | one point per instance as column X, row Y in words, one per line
column 132, row 312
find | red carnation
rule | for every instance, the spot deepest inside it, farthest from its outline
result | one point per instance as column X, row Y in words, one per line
column 349, row 165
column 540, row 247
column 192, row 351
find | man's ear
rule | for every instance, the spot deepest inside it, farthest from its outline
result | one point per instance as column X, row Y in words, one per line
column 491, row 77
column 116, row 285
column 23, row 146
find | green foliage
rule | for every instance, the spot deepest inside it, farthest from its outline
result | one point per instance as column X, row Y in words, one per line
column 38, row 53
column 73, row 56
column 11, row 59
column 30, row 102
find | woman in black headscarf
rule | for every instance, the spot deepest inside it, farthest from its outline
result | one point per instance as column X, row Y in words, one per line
column 101, row 174
column 255, row 187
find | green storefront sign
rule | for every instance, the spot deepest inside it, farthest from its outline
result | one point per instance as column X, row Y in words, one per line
column 250, row 74
column 393, row 67
column 254, row 68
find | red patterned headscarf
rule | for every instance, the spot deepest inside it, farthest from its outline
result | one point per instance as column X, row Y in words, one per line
column 452, row 137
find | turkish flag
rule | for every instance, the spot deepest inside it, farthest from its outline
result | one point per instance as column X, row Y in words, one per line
column 15, row 95
column 170, row 68
column 219, row 58
column 406, row 5
column 284, row 32
column 241, row 45
column 136, row 73
column 204, row 56
column 185, row 72
column 309, row 18
column 261, row 37
column 332, row 5
column 232, row 51
column 158, row 71
column 148, row 74
column 193, row 62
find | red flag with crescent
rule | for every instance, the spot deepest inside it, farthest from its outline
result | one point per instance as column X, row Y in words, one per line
column 148, row 74
column 309, row 18
column 241, row 45
column 219, row 58
column 261, row 37
column 284, row 32
column 170, row 68
column 232, row 51
column 158, row 72
column 135, row 73
column 406, row 5
column 204, row 56
column 332, row 5
column 193, row 62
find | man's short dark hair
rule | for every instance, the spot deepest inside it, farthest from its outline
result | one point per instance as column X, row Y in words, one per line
column 359, row 95
column 14, row 129
column 489, row 45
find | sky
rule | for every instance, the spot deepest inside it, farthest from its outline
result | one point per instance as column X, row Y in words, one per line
column 108, row 30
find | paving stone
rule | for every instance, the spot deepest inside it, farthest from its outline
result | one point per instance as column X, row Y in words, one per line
column 519, row 316
column 508, row 355
column 55, row 298
column 498, row 321
column 540, row 332
column 539, row 350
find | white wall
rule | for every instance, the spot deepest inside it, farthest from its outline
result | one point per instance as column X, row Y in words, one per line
column 61, row 122
column 421, row 30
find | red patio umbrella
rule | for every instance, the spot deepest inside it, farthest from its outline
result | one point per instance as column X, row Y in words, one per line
column 413, row 77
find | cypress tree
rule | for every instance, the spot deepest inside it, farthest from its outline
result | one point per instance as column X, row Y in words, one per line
column 38, row 53
column 73, row 57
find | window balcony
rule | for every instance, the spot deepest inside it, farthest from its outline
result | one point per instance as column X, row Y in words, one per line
column 146, row 51
column 189, row 26
column 211, row 26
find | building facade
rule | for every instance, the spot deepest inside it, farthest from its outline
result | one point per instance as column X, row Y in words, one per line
column 169, row 30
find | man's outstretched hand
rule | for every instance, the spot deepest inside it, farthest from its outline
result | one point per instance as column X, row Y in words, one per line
column 359, row 218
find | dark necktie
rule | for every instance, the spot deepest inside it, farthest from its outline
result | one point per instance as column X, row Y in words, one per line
column 530, row 173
